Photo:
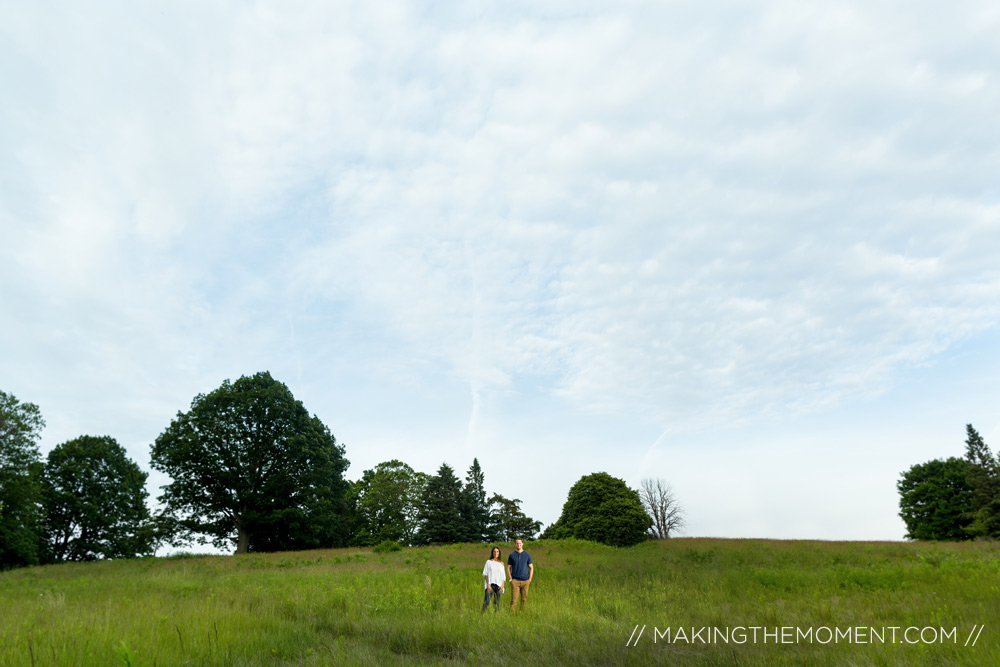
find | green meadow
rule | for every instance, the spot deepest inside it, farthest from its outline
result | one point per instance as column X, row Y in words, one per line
column 586, row 605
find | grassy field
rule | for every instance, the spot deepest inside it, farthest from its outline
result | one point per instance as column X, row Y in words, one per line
column 422, row 606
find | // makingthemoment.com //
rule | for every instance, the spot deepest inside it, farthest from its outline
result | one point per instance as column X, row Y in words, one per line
column 810, row 635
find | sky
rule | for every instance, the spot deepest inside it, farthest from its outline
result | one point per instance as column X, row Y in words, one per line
column 750, row 248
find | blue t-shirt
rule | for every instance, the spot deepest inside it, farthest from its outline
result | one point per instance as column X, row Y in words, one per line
column 519, row 563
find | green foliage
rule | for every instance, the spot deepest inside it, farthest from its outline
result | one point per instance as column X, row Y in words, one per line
column 387, row 502
column 954, row 499
column 392, row 502
column 508, row 522
column 126, row 655
column 250, row 466
column 94, row 498
column 604, row 509
column 935, row 499
column 330, row 608
column 20, row 492
column 984, row 482
column 387, row 546
column 474, row 508
column 617, row 522
column 441, row 510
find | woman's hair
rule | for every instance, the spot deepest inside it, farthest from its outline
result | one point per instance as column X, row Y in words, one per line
column 499, row 555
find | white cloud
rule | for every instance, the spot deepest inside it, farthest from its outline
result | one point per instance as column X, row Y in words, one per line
column 674, row 214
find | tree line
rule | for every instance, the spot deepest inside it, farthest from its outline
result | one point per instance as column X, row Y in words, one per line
column 251, row 468
column 954, row 498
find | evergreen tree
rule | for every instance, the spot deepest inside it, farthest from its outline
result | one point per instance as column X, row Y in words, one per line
column 475, row 509
column 984, row 483
column 441, row 509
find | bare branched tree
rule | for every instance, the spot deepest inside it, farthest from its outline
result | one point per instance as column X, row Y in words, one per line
column 662, row 506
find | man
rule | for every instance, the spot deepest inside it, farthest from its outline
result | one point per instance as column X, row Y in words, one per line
column 520, row 569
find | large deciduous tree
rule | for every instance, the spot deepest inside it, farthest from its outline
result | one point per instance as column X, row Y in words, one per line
column 387, row 501
column 251, row 466
column 604, row 509
column 661, row 504
column 935, row 499
column 94, row 497
column 21, row 425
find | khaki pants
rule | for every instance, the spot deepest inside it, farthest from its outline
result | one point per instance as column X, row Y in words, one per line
column 518, row 589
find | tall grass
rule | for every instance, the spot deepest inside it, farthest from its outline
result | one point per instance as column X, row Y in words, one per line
column 422, row 605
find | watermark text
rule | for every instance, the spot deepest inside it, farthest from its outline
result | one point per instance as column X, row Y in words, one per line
column 753, row 634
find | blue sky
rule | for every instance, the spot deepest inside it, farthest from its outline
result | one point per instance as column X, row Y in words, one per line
column 749, row 248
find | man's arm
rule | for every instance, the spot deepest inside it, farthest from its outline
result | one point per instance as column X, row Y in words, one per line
column 531, row 571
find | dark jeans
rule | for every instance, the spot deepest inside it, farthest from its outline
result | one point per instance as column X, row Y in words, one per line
column 493, row 591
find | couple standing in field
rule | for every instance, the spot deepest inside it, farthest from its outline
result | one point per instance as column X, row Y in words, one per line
column 520, row 570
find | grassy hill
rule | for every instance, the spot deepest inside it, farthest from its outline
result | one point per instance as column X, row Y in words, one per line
column 586, row 606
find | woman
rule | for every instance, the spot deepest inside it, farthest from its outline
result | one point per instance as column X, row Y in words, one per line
column 494, row 578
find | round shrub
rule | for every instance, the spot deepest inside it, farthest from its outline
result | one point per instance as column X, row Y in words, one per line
column 386, row 546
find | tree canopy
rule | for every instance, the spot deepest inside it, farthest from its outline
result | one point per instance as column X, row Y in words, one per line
column 441, row 510
column 604, row 509
column 984, row 486
column 387, row 501
column 394, row 503
column 508, row 522
column 475, row 509
column 94, row 497
column 251, row 466
column 21, row 425
column 935, row 500
column 953, row 499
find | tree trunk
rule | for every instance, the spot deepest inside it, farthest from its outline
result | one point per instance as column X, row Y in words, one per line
column 242, row 540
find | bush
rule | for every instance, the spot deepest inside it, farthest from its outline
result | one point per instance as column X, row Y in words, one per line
column 386, row 546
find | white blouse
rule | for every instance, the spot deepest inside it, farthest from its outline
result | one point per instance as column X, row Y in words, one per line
column 494, row 570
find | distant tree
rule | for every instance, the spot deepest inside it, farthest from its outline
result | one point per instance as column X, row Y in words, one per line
column 508, row 522
column 984, row 483
column 21, row 425
column 251, row 466
column 661, row 505
column 441, row 510
column 94, row 497
column 935, row 499
column 475, row 509
column 604, row 509
column 387, row 501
